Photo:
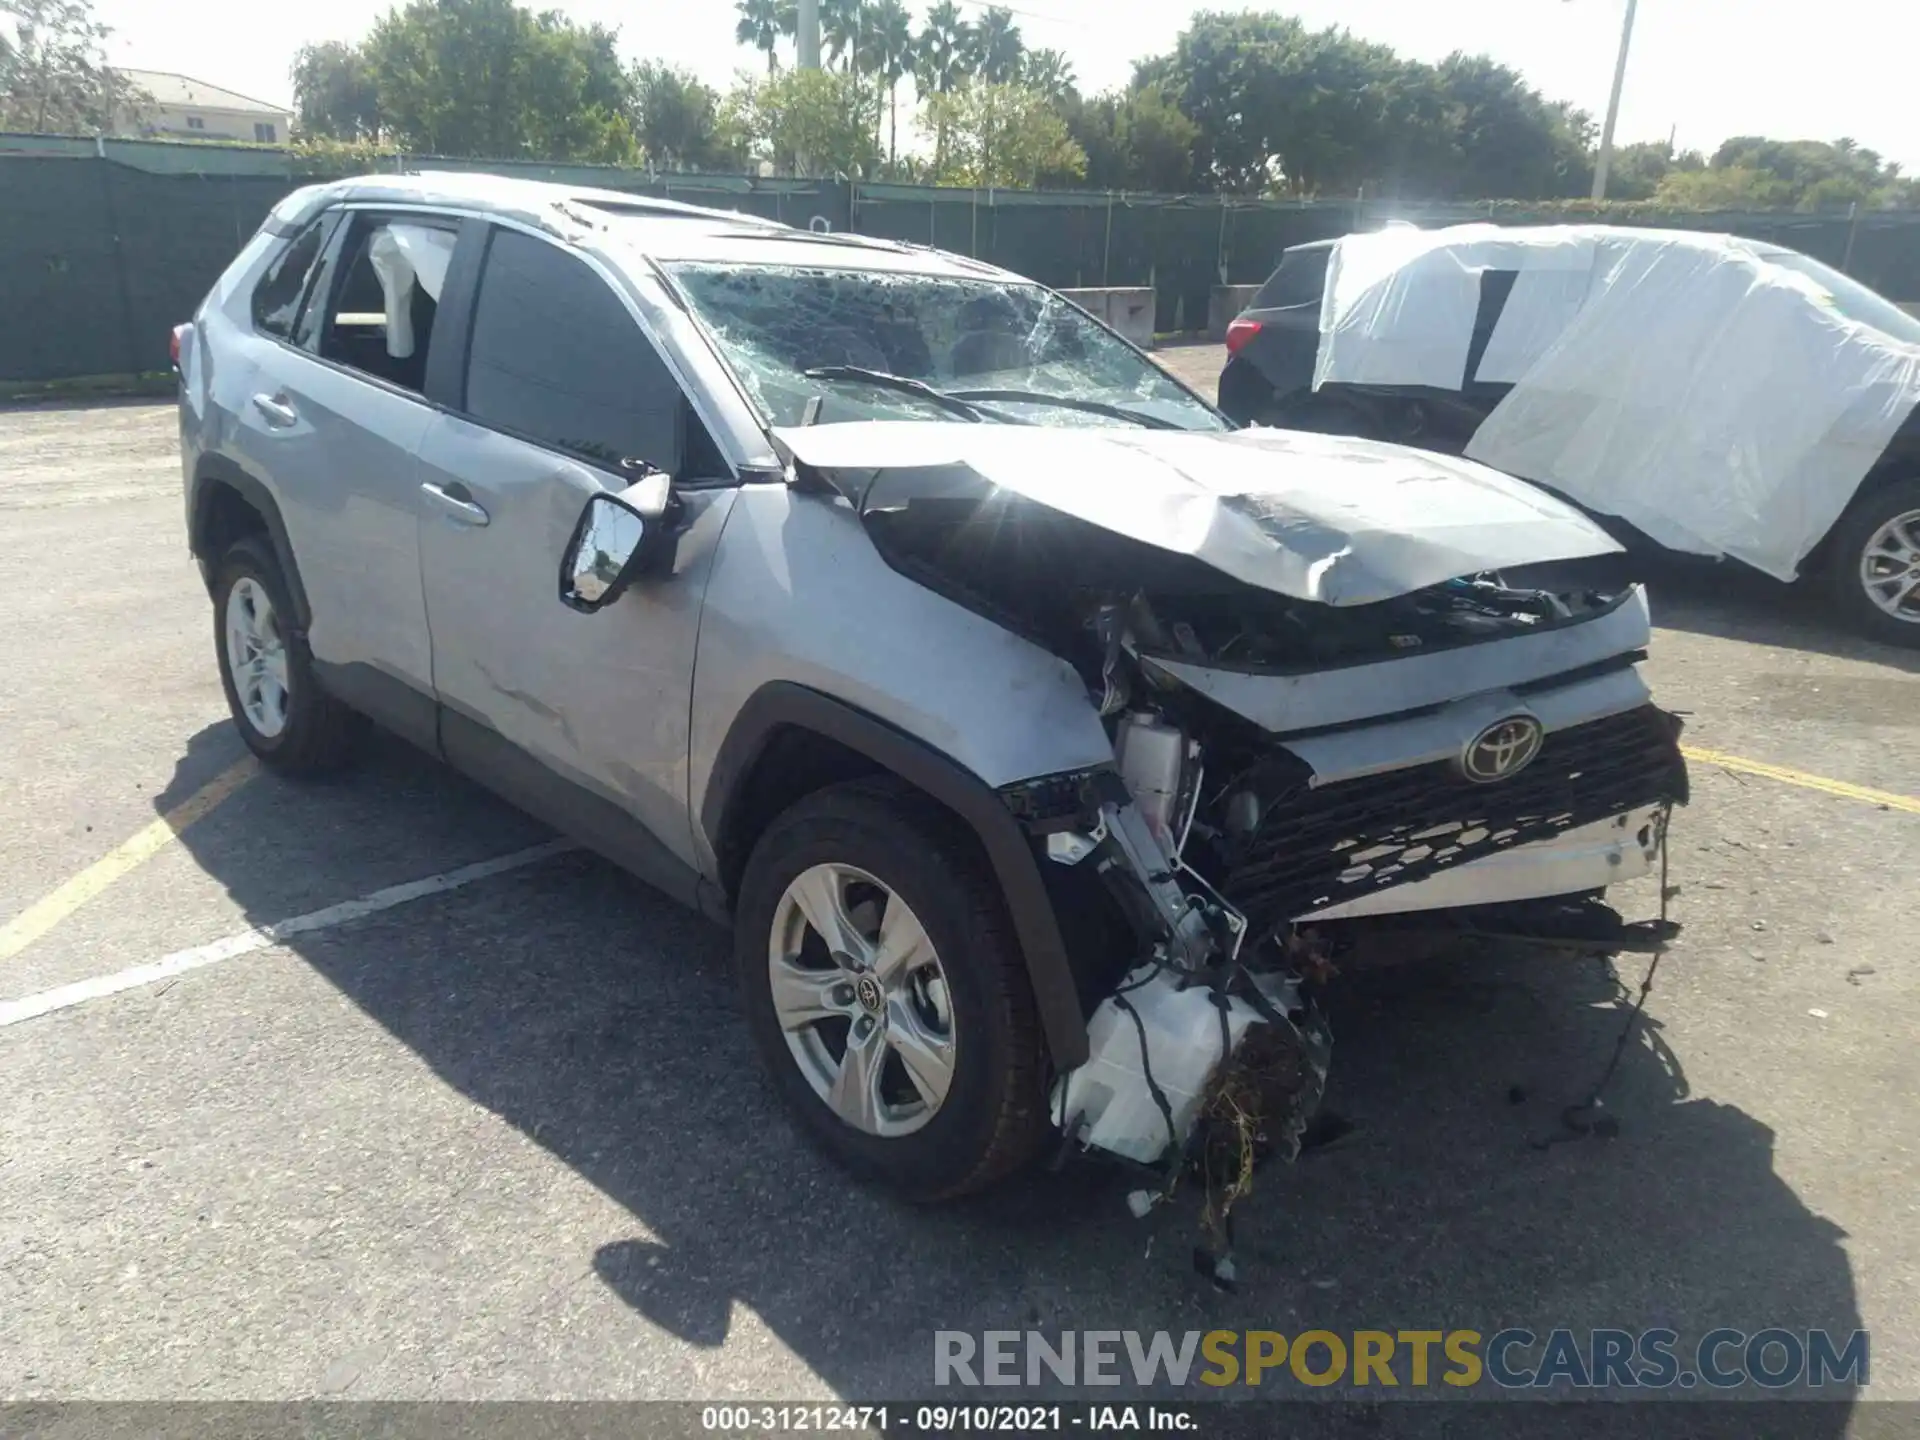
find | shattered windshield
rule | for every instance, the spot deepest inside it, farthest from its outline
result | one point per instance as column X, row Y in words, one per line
column 814, row 345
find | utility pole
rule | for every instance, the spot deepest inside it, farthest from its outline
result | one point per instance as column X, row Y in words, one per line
column 807, row 40
column 1613, row 105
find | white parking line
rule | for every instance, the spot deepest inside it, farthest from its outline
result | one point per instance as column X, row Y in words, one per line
column 65, row 997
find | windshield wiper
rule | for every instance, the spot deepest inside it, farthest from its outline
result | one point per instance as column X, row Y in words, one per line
column 1070, row 402
column 907, row 385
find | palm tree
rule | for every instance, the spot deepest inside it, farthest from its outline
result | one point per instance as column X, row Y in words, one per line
column 997, row 47
column 890, row 56
column 761, row 24
column 842, row 23
column 1049, row 72
column 940, row 61
column 940, row 64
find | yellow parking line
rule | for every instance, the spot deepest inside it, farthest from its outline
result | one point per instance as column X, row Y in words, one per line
column 1787, row 776
column 41, row 916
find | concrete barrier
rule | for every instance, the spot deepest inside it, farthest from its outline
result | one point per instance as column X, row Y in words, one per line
column 1128, row 309
column 1227, row 302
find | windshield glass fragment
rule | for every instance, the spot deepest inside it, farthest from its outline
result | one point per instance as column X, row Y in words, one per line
column 1043, row 360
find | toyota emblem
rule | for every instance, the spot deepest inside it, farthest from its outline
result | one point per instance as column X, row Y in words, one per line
column 1502, row 750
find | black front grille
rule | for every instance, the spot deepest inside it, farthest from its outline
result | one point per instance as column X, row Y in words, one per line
column 1320, row 847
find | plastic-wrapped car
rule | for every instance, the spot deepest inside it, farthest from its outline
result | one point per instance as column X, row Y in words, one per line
column 1719, row 396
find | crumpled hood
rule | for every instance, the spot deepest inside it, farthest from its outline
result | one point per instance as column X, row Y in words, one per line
column 1314, row 517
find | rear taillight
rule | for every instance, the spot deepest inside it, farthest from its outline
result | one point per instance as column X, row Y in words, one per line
column 173, row 345
column 1239, row 333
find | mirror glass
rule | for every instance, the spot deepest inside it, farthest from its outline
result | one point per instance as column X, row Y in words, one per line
column 609, row 539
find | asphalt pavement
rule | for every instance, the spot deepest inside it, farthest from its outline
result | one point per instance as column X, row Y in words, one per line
column 504, row 1136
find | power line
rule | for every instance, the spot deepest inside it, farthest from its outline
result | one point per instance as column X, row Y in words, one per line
column 1016, row 10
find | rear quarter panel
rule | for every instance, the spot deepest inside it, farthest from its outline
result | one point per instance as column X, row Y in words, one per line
column 215, row 365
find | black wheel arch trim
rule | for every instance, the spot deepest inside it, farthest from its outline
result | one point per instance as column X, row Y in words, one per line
column 781, row 704
column 218, row 470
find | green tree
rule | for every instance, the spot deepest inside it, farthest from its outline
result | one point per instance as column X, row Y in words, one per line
column 1638, row 169
column 53, row 72
column 488, row 78
column 995, row 47
column 940, row 60
column 676, row 119
column 1049, row 72
column 823, row 117
column 334, row 92
column 843, row 23
column 1752, row 172
column 940, row 64
column 1135, row 140
column 1281, row 108
column 890, row 59
column 1004, row 135
column 762, row 24
column 1238, row 78
column 1508, row 142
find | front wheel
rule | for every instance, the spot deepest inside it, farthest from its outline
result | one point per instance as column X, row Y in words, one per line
column 887, row 994
column 1876, row 564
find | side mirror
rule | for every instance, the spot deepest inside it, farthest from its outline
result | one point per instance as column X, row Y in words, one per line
column 605, row 553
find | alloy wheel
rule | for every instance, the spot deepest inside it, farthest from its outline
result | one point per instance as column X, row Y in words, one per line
column 1890, row 567
column 257, row 657
column 862, row 1000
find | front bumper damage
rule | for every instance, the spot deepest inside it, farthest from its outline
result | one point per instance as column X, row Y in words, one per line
column 1210, row 1052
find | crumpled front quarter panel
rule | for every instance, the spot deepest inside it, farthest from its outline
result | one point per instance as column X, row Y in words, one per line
column 799, row 594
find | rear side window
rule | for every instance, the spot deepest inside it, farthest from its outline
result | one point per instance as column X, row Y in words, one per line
column 381, row 315
column 1300, row 280
column 278, row 296
column 556, row 358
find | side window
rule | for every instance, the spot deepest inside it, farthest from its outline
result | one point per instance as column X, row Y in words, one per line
column 380, row 315
column 556, row 358
column 1299, row 282
column 278, row 296
column 1495, row 287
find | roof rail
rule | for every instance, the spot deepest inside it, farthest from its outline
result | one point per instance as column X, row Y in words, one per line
column 672, row 209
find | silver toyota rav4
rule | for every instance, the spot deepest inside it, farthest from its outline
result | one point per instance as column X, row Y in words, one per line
column 1039, row 735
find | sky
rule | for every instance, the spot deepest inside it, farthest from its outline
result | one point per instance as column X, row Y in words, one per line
column 1700, row 70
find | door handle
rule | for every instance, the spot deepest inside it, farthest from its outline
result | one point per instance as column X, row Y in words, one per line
column 279, row 414
column 455, row 503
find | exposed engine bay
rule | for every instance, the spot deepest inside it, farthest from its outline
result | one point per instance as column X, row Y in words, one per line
column 1284, row 771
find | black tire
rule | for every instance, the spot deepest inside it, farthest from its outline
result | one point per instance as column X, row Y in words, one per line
column 1850, row 538
column 320, row 734
column 994, row 1116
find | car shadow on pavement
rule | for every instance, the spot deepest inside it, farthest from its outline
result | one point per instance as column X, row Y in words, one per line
column 599, row 1020
column 1732, row 602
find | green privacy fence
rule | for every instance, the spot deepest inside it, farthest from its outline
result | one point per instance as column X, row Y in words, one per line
column 105, row 245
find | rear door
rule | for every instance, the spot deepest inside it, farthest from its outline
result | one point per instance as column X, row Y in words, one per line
column 579, row 718
column 334, row 417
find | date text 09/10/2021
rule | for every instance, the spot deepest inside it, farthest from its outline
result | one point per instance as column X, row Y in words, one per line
column 750, row 1419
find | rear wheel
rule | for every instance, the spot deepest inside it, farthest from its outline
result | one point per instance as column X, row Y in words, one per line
column 267, row 671
column 1875, row 564
column 886, row 992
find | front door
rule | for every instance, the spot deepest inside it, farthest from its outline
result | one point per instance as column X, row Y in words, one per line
column 579, row 718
